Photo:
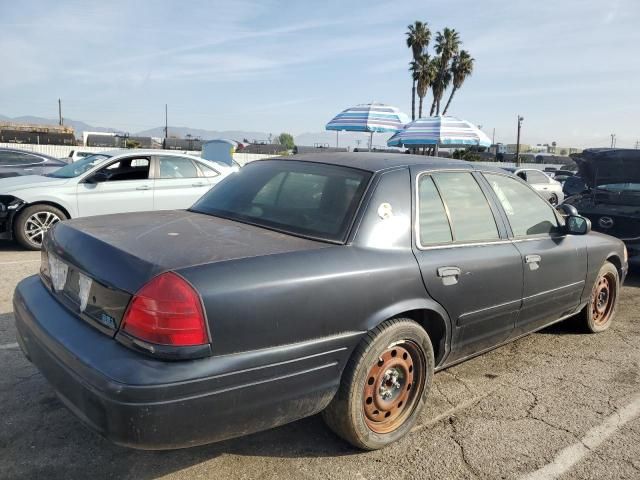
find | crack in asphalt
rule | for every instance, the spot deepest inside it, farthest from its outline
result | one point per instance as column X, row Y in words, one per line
column 457, row 439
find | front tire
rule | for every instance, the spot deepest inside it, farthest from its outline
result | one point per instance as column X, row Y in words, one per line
column 603, row 302
column 33, row 222
column 384, row 386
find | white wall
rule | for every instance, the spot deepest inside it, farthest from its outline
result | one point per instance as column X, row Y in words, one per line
column 62, row 151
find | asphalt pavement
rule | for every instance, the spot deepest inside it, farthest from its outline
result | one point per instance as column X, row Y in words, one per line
column 557, row 404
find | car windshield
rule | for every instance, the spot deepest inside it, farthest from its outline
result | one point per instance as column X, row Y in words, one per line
column 307, row 199
column 78, row 168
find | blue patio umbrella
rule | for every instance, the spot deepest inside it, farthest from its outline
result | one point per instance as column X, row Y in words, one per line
column 370, row 117
column 440, row 131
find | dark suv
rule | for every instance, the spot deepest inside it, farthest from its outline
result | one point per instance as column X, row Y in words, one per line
column 15, row 162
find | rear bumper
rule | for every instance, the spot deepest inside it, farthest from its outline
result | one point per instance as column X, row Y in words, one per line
column 151, row 404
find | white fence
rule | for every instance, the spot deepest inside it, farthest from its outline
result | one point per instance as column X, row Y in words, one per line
column 62, row 151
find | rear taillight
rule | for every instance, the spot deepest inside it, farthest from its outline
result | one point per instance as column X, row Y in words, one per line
column 166, row 311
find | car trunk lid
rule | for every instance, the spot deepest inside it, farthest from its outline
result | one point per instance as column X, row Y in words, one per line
column 121, row 253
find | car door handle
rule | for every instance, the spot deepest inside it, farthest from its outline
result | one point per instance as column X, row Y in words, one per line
column 198, row 184
column 143, row 187
column 27, row 170
column 449, row 275
column 533, row 261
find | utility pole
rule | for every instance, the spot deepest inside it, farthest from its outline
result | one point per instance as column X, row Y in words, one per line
column 520, row 119
column 613, row 140
column 493, row 137
column 637, row 144
column 166, row 126
column 59, row 112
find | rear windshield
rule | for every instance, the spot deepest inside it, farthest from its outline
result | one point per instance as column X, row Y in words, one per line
column 303, row 198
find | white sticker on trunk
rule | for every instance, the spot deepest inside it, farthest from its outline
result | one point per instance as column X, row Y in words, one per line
column 58, row 270
column 84, row 284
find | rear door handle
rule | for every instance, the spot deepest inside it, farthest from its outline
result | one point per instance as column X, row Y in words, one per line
column 449, row 275
column 143, row 187
column 533, row 261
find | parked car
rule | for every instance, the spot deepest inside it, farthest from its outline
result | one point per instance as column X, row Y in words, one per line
column 335, row 282
column 548, row 187
column 610, row 196
column 15, row 162
column 111, row 182
column 562, row 175
column 75, row 155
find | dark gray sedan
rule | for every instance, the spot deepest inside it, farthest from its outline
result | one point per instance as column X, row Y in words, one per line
column 19, row 162
column 338, row 283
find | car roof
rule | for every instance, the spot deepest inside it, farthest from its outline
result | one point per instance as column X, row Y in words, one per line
column 379, row 161
column 145, row 151
column 38, row 154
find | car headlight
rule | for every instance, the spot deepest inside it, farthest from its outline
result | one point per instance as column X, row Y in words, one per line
column 626, row 255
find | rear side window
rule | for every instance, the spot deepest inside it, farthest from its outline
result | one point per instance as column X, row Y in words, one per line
column 534, row 176
column 528, row 214
column 176, row 167
column 433, row 224
column 471, row 217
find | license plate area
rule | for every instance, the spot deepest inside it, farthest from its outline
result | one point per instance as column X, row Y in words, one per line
column 93, row 302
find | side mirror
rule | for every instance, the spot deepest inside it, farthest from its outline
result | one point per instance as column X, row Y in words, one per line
column 577, row 225
column 98, row 177
column 567, row 210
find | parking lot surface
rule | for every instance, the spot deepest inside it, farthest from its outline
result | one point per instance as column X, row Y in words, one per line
column 557, row 404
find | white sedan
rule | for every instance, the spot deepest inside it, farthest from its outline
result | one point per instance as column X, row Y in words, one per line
column 543, row 183
column 109, row 182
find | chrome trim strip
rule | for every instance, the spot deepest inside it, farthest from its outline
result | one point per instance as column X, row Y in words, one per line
column 491, row 307
column 569, row 285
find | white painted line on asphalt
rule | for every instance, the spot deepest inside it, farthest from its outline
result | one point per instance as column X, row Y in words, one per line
column 8, row 346
column 18, row 263
column 570, row 456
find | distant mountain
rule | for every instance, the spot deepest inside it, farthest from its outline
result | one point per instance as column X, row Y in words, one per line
column 182, row 132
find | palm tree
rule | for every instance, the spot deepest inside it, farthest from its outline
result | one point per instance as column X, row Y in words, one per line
column 461, row 68
column 418, row 38
column 447, row 46
column 424, row 72
column 439, row 83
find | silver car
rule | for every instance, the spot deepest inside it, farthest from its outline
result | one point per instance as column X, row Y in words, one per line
column 541, row 182
column 110, row 182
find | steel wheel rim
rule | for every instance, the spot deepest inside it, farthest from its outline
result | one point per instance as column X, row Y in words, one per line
column 392, row 387
column 603, row 299
column 553, row 200
column 38, row 224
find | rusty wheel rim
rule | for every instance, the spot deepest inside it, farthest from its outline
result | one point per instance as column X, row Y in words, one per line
column 603, row 299
column 392, row 387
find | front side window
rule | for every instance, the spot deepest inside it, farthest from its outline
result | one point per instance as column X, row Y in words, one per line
column 471, row 216
column 176, row 167
column 528, row 214
column 303, row 198
column 126, row 169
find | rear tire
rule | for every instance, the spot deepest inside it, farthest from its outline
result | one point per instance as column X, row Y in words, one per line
column 33, row 222
column 384, row 386
column 599, row 313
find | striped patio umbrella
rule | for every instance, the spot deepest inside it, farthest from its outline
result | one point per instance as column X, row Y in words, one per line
column 441, row 132
column 370, row 117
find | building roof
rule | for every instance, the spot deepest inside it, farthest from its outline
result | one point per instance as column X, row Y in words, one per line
column 375, row 162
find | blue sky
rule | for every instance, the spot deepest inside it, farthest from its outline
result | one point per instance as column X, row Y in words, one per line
column 570, row 67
